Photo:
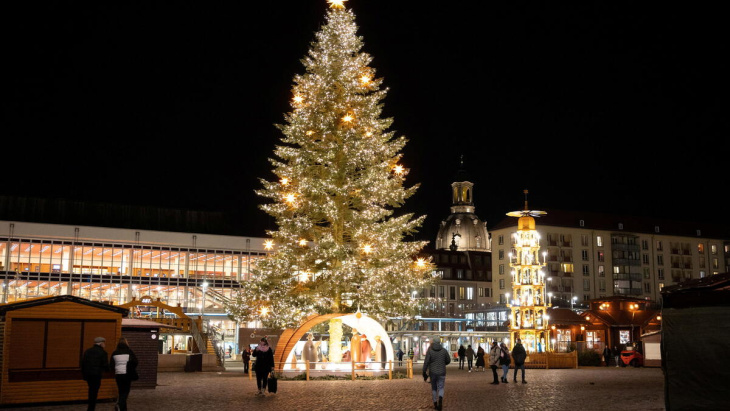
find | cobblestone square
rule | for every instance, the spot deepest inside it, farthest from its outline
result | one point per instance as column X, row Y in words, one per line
column 595, row 388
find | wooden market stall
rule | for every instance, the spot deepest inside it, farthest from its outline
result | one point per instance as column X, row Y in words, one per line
column 42, row 341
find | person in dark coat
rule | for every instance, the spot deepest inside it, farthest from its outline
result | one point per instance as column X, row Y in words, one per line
column 264, row 364
column 434, row 365
column 462, row 354
column 246, row 359
column 94, row 364
column 123, row 362
column 519, row 355
column 400, row 357
column 480, row 359
column 470, row 357
column 606, row 355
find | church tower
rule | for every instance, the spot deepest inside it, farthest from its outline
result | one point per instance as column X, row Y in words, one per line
column 463, row 230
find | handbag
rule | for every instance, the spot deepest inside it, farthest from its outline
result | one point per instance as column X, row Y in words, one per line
column 271, row 384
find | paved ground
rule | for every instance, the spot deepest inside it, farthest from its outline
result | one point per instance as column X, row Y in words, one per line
column 595, row 388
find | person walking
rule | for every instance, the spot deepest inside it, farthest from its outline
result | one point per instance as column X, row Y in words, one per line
column 400, row 357
column 410, row 353
column 246, row 354
column 616, row 355
column 469, row 357
column 462, row 355
column 434, row 366
column 519, row 355
column 504, row 361
column 494, row 361
column 124, row 363
column 480, row 359
column 606, row 355
column 264, row 364
column 94, row 363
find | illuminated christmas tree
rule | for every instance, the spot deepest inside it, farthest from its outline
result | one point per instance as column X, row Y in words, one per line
column 339, row 246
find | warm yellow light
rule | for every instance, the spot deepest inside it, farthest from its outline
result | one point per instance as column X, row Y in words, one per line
column 369, row 134
column 367, row 249
column 659, row 317
column 337, row 4
column 298, row 99
column 284, row 181
column 310, row 132
column 421, row 262
column 268, row 244
column 398, row 169
column 302, row 242
column 348, row 118
column 290, row 198
column 365, row 79
column 264, row 311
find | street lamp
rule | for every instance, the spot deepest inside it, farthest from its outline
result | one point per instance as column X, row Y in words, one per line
column 573, row 300
column 550, row 298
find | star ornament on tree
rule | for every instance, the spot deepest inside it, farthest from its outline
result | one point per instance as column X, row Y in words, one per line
column 337, row 4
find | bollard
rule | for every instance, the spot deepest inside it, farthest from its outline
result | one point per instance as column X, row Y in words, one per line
column 306, row 365
column 390, row 370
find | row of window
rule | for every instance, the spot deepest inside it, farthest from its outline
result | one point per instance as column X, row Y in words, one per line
column 121, row 259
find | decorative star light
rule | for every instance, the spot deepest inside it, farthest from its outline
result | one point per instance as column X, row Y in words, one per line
column 337, row 4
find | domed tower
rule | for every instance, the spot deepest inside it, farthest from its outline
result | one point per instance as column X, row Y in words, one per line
column 463, row 230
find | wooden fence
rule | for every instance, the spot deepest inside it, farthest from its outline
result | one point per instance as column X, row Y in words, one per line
column 353, row 370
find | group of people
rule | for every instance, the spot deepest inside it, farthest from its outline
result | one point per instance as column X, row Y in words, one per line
column 437, row 358
column 95, row 362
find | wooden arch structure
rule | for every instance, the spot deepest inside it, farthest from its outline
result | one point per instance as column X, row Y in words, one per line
column 291, row 336
column 154, row 302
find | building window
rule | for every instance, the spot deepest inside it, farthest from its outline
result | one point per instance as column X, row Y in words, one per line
column 469, row 293
column 660, row 259
column 601, row 257
column 584, row 255
column 460, row 273
column 442, row 291
column 501, row 254
column 645, row 258
column 501, row 268
column 500, row 239
column 644, row 245
column 647, row 288
column 452, row 292
column 713, row 249
column 659, row 246
column 501, row 284
column 481, row 291
column 586, row 284
column 702, row 274
column 701, row 248
column 661, row 285
column 584, row 240
column 647, row 273
column 602, row 285
column 462, row 293
column 599, row 241
column 586, row 270
column 601, row 271
column 660, row 273
column 582, row 223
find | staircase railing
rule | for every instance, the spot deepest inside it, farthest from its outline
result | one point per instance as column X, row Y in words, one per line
column 198, row 337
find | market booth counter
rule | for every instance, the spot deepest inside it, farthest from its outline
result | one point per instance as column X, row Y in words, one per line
column 42, row 341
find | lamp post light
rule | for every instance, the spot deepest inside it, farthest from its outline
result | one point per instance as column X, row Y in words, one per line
column 550, row 298
column 573, row 300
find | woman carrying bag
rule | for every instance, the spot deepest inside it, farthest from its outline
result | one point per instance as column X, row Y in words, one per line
column 264, row 364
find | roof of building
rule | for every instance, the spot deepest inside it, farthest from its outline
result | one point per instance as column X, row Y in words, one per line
column 708, row 291
column 565, row 316
column 71, row 212
column 624, row 318
column 626, row 223
column 34, row 302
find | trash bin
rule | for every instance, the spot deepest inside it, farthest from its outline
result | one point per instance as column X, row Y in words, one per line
column 194, row 362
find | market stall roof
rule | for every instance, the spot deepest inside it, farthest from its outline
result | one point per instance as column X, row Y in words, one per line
column 34, row 302
column 565, row 316
column 701, row 292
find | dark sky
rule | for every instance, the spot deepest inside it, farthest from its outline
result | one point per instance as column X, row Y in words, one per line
column 616, row 106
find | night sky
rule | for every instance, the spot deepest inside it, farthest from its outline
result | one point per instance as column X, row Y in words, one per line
column 612, row 106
